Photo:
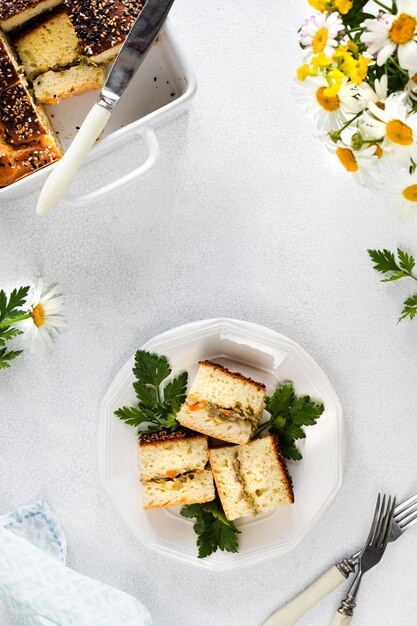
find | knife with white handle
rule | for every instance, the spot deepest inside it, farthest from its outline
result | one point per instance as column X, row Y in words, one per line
column 128, row 61
column 289, row 614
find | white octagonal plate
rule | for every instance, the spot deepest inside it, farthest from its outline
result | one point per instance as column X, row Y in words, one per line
column 263, row 355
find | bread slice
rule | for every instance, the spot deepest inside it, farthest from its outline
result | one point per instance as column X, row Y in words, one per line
column 15, row 13
column 50, row 44
column 102, row 25
column 53, row 86
column 222, row 404
column 251, row 479
column 10, row 71
column 17, row 162
column 173, row 468
column 169, row 454
column 185, row 489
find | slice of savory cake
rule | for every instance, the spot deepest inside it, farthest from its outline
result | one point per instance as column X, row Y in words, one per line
column 251, row 479
column 102, row 25
column 54, row 86
column 173, row 468
column 15, row 13
column 19, row 161
column 223, row 404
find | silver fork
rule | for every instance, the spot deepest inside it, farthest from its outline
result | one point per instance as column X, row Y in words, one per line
column 405, row 515
column 370, row 555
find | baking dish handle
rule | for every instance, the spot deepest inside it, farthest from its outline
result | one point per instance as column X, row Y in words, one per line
column 149, row 137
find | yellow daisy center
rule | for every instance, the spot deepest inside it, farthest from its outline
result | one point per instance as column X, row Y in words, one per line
column 400, row 133
column 38, row 315
column 347, row 159
column 410, row 193
column 402, row 29
column 414, row 79
column 320, row 40
column 329, row 103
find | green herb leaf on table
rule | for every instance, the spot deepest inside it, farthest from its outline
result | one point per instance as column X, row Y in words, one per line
column 157, row 405
column 386, row 263
column 10, row 311
column 289, row 415
column 213, row 529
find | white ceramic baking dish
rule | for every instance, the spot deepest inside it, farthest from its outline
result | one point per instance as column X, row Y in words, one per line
column 160, row 91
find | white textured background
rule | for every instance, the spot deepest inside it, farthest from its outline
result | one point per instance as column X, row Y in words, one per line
column 246, row 216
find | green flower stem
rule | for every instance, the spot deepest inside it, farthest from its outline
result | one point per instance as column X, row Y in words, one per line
column 397, row 66
column 384, row 6
column 15, row 319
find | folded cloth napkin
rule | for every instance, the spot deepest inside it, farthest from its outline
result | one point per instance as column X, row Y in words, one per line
column 37, row 585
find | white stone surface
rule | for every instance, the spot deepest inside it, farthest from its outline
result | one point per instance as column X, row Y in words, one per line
column 246, row 216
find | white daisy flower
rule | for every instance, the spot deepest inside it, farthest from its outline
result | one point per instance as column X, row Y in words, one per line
column 411, row 86
column 395, row 123
column 330, row 112
column 319, row 34
column 46, row 317
column 361, row 163
column 402, row 189
column 376, row 94
column 394, row 33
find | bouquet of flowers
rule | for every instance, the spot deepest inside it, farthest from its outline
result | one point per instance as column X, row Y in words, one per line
column 359, row 80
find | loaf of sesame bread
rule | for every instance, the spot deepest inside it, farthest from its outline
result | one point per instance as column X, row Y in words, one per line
column 50, row 44
column 102, row 25
column 223, row 404
column 173, row 469
column 17, row 162
column 53, row 86
column 27, row 139
column 15, row 13
column 251, row 479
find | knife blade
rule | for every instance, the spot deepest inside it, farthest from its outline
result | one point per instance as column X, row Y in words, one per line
column 128, row 61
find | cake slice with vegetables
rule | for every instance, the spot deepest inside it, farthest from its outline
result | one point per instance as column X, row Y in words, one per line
column 251, row 479
column 223, row 404
column 173, row 468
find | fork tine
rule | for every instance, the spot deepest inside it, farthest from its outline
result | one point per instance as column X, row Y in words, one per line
column 405, row 513
column 379, row 533
column 405, row 505
column 408, row 520
column 379, row 522
column 387, row 522
column 375, row 520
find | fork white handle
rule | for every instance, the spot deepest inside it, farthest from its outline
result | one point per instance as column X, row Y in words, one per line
column 294, row 610
column 59, row 181
column 341, row 620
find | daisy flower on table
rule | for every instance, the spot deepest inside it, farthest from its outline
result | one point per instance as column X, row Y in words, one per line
column 330, row 105
column 45, row 318
column 319, row 34
column 395, row 123
column 403, row 191
column 362, row 163
column 388, row 34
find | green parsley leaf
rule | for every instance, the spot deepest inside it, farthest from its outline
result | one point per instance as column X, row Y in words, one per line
column 410, row 308
column 385, row 263
column 10, row 309
column 214, row 531
column 289, row 415
column 157, row 406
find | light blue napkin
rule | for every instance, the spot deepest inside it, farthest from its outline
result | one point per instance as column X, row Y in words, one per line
column 37, row 585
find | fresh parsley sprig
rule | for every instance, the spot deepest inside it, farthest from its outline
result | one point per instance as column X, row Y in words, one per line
column 386, row 263
column 11, row 313
column 214, row 531
column 157, row 404
column 288, row 416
